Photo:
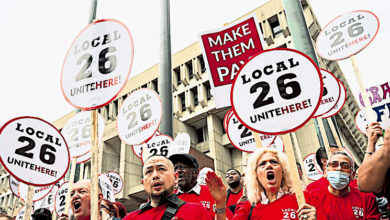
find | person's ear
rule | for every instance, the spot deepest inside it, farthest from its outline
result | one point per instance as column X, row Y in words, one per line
column 176, row 175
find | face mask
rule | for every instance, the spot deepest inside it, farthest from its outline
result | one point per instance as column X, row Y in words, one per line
column 339, row 180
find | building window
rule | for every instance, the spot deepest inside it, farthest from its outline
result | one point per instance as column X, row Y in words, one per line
column 275, row 25
column 200, row 135
column 144, row 86
column 202, row 64
column 155, row 85
column 208, row 91
column 183, row 101
column 189, row 68
column 261, row 27
column 195, row 95
column 283, row 46
column 177, row 74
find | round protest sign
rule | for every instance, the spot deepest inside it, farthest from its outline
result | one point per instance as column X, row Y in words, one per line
column 39, row 192
column 137, row 150
column 381, row 111
column 181, row 144
column 21, row 212
column 277, row 144
column 340, row 103
column 97, row 64
column 85, row 158
column 33, row 151
column 158, row 145
column 139, row 116
column 347, row 35
column 311, row 167
column 202, row 175
column 282, row 89
column 330, row 94
column 48, row 201
column 116, row 181
column 14, row 185
column 60, row 199
column 361, row 121
column 242, row 138
column 77, row 133
column 226, row 119
column 107, row 188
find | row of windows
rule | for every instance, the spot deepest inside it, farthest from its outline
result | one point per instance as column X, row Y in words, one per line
column 189, row 68
column 193, row 96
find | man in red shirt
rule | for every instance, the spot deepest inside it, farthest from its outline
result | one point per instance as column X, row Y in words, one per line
column 235, row 191
column 339, row 200
column 159, row 183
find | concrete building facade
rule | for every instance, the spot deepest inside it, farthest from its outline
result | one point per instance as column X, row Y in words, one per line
column 195, row 112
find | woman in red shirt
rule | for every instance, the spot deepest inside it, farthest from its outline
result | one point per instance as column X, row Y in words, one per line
column 269, row 186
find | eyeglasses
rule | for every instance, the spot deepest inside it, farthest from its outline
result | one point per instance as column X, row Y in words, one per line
column 336, row 164
column 105, row 207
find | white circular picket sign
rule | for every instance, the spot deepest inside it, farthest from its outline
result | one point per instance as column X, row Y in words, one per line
column 117, row 181
column 33, row 151
column 97, row 64
column 139, row 116
column 242, row 138
column 277, row 144
column 181, row 144
column 226, row 119
column 39, row 192
column 202, row 175
column 347, row 35
column 137, row 150
column 330, row 94
column 282, row 89
column 77, row 133
column 60, row 199
column 21, row 212
column 311, row 167
column 340, row 103
column 14, row 185
column 361, row 121
column 107, row 188
column 48, row 201
column 157, row 145
column 85, row 158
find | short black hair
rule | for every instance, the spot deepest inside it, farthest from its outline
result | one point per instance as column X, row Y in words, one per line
column 234, row 170
column 299, row 165
column 321, row 154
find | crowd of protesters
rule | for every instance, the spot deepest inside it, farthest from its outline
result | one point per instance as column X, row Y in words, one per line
column 264, row 191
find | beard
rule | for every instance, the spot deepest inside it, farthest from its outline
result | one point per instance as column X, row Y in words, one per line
column 234, row 184
column 163, row 194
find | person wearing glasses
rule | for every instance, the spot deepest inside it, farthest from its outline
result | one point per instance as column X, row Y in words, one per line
column 107, row 210
column 189, row 190
column 341, row 201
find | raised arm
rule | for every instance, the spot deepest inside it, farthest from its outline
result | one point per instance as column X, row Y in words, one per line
column 218, row 192
column 372, row 172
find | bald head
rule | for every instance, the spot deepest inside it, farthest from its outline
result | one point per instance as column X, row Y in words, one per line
column 161, row 159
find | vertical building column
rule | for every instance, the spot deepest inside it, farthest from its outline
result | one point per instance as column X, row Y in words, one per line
column 308, row 143
column 125, row 151
column 221, row 155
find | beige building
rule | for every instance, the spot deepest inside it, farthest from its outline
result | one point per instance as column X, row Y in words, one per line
column 195, row 112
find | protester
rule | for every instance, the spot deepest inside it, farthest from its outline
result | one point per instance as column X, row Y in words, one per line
column 120, row 209
column 235, row 191
column 41, row 214
column 269, row 184
column 374, row 172
column 189, row 189
column 4, row 216
column 322, row 159
column 107, row 210
column 80, row 201
column 159, row 182
column 340, row 201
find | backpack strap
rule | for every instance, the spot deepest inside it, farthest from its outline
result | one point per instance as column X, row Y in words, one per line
column 172, row 210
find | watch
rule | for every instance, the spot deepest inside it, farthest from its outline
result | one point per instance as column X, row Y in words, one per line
column 219, row 211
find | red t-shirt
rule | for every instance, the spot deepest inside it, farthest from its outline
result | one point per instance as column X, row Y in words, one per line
column 355, row 205
column 234, row 197
column 283, row 208
column 203, row 198
column 187, row 211
column 323, row 183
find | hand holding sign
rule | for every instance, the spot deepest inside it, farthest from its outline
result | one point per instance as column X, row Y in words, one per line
column 33, row 151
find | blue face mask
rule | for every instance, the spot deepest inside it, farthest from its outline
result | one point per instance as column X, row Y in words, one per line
column 339, row 180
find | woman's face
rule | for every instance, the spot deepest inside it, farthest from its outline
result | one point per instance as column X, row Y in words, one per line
column 269, row 172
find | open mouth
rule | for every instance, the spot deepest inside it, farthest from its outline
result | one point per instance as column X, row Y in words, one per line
column 157, row 185
column 271, row 177
column 77, row 206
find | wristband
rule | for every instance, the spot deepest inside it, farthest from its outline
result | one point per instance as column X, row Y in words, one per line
column 219, row 211
column 368, row 152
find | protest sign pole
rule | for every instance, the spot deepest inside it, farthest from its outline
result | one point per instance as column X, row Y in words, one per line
column 324, row 137
column 334, row 132
column 94, row 166
column 70, row 184
column 299, row 155
column 29, row 202
column 257, row 138
column 294, row 170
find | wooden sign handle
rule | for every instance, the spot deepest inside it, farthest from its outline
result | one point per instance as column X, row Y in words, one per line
column 257, row 138
column 70, row 185
column 324, row 137
column 294, row 170
column 299, row 155
column 94, row 166
column 369, row 112
column 29, row 203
